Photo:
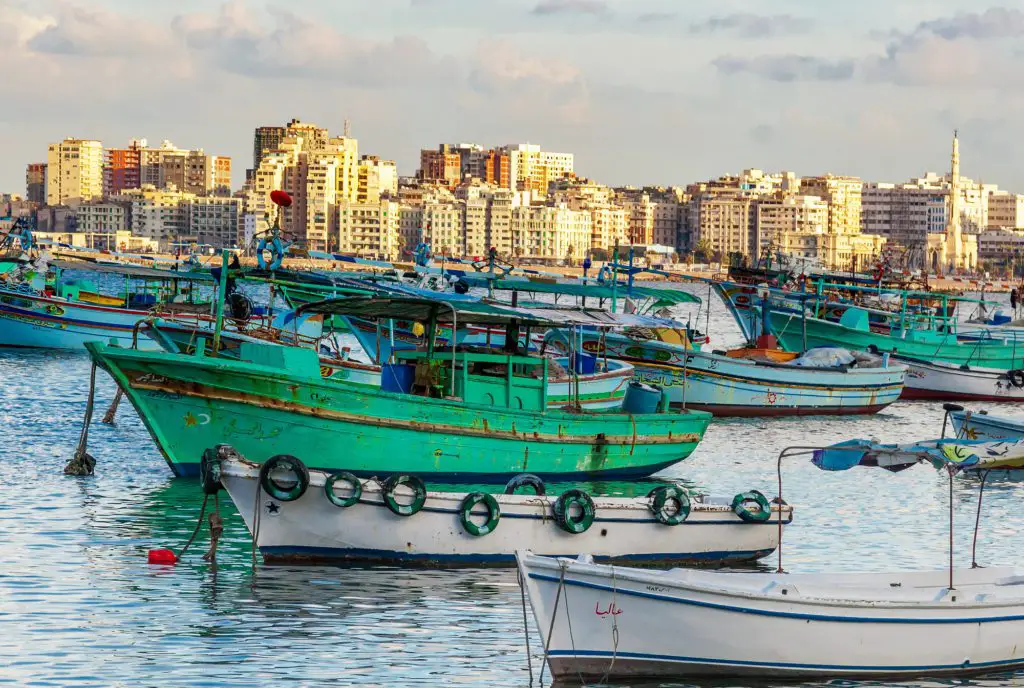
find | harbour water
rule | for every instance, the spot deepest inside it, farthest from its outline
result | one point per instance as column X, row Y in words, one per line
column 79, row 605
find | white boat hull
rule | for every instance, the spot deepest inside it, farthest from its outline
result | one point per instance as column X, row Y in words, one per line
column 312, row 529
column 631, row 623
column 981, row 426
column 949, row 382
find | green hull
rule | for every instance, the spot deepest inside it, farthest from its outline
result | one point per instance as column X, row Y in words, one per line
column 190, row 403
column 925, row 345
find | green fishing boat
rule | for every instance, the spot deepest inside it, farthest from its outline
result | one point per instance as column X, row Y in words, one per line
column 450, row 414
column 797, row 332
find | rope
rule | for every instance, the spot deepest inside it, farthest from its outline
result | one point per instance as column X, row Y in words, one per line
column 551, row 626
column 615, row 631
column 572, row 640
column 195, row 531
column 108, row 417
column 526, row 627
column 216, row 528
column 255, row 524
column 82, row 463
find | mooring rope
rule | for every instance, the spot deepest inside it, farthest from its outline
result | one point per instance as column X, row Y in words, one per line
column 81, row 463
column 551, row 626
column 526, row 627
column 195, row 531
column 615, row 631
column 108, row 417
column 216, row 528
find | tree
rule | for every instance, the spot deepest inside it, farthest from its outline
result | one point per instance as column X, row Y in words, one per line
column 702, row 252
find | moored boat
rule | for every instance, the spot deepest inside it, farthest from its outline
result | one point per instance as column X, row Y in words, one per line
column 459, row 415
column 614, row 622
column 732, row 386
column 980, row 425
column 951, row 382
column 336, row 519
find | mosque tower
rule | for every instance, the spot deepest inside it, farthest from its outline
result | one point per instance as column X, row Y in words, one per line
column 954, row 238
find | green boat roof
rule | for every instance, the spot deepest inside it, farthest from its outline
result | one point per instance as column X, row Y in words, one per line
column 154, row 274
column 599, row 290
column 422, row 309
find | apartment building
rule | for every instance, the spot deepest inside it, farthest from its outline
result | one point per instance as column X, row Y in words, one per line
column 74, row 171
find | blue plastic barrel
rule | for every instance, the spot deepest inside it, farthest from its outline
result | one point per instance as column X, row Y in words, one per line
column 586, row 364
column 641, row 398
column 397, row 377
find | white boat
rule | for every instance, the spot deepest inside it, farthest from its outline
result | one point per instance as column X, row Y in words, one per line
column 314, row 529
column 613, row 622
column 736, row 386
column 635, row 623
column 951, row 382
column 979, row 425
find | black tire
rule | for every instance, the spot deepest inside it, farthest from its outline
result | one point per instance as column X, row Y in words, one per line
column 275, row 489
column 354, row 484
column 210, row 471
column 412, row 482
column 562, row 511
column 525, row 480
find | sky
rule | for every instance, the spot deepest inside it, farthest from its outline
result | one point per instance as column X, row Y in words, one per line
column 642, row 91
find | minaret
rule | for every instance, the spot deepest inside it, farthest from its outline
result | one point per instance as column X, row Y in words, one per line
column 954, row 242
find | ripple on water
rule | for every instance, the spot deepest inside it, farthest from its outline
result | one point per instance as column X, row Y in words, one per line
column 79, row 606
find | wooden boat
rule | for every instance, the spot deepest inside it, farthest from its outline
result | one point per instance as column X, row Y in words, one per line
column 70, row 313
column 853, row 332
column 603, row 388
column 611, row 622
column 730, row 386
column 461, row 415
column 950, row 382
column 478, row 528
column 980, row 425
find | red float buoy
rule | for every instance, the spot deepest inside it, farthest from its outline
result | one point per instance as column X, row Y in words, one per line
column 281, row 198
column 162, row 556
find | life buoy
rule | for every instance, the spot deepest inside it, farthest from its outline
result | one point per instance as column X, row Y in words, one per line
column 741, row 300
column 666, row 495
column 469, row 502
column 210, row 470
column 525, row 480
column 741, row 507
column 355, row 489
column 1016, row 377
column 419, row 494
column 277, row 490
column 277, row 249
column 562, row 510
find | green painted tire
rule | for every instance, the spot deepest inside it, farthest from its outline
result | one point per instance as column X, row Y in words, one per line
column 662, row 496
column 418, row 499
column 466, row 511
column 354, row 485
column 741, row 502
column 277, row 490
column 562, row 510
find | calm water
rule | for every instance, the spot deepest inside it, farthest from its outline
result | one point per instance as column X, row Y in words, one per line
column 79, row 606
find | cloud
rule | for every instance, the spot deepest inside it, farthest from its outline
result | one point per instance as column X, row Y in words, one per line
column 593, row 7
column 84, row 32
column 657, row 17
column 787, row 68
column 995, row 22
column 289, row 46
column 748, row 25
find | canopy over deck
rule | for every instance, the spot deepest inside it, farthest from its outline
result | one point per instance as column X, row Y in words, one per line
column 955, row 454
column 154, row 274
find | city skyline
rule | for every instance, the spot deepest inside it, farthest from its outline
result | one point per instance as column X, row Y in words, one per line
column 686, row 94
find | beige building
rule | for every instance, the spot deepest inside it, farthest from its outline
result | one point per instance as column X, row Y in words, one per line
column 377, row 179
column 370, row 229
column 214, row 220
column 551, row 233
column 533, row 169
column 158, row 214
column 102, row 216
column 843, row 196
column 1005, row 210
column 787, row 223
column 320, row 172
column 74, row 171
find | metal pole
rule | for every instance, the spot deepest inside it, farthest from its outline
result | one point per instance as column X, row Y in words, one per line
column 222, row 287
column 977, row 520
column 615, row 276
column 950, row 528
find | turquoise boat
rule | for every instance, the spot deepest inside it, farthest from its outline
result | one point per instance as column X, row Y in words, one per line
column 453, row 415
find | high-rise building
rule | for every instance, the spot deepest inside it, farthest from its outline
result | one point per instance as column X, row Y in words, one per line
column 123, row 168
column 441, row 166
column 318, row 171
column 370, row 229
column 843, row 196
column 196, row 172
column 533, row 169
column 35, row 182
column 74, row 171
column 265, row 139
column 214, row 220
column 1005, row 210
column 377, row 178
